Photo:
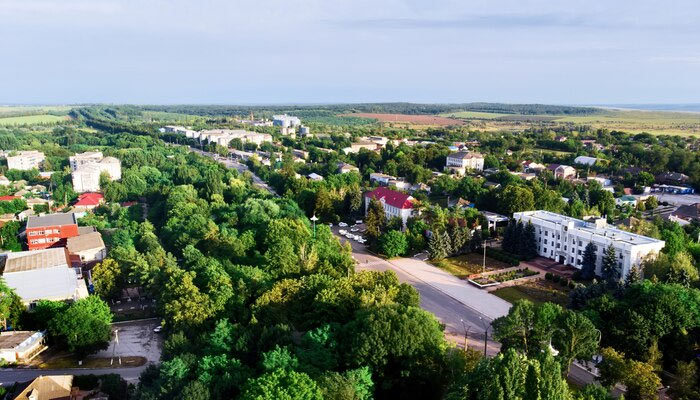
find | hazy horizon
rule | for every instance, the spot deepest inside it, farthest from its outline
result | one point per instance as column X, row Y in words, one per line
column 320, row 52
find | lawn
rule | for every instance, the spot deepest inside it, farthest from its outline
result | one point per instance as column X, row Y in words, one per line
column 32, row 119
column 536, row 292
column 16, row 111
column 101, row 362
column 468, row 264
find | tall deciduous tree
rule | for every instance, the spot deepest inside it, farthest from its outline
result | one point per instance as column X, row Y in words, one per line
column 375, row 219
column 84, row 327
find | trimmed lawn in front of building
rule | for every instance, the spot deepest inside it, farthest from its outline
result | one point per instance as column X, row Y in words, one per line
column 468, row 264
column 537, row 292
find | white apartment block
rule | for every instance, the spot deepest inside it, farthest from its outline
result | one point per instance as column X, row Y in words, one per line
column 25, row 160
column 87, row 168
column 463, row 161
column 179, row 130
column 564, row 239
column 223, row 137
column 89, row 157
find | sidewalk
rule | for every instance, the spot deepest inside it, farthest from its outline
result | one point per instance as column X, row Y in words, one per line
column 479, row 300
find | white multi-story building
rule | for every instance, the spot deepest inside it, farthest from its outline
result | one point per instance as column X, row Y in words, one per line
column 285, row 121
column 180, row 130
column 25, row 160
column 87, row 168
column 89, row 157
column 223, row 137
column 564, row 239
column 463, row 161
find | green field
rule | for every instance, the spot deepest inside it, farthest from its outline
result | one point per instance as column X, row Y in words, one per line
column 18, row 111
column 630, row 121
column 31, row 119
column 168, row 116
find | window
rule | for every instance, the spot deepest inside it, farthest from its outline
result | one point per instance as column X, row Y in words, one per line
column 564, row 247
column 558, row 237
column 579, row 243
column 546, row 233
column 622, row 257
column 545, row 241
column 558, row 245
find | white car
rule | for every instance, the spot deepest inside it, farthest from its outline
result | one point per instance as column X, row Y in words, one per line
column 359, row 221
column 354, row 230
column 342, row 224
column 158, row 329
column 330, row 224
column 342, row 231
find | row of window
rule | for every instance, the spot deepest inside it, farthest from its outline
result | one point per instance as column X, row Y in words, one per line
column 44, row 232
column 44, row 240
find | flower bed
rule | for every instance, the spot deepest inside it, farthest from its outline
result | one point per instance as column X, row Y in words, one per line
column 512, row 275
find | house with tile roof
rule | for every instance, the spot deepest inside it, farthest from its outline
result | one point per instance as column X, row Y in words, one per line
column 50, row 230
column 396, row 204
column 88, row 201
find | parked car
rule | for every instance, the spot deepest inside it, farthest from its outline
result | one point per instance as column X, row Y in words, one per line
column 158, row 329
column 354, row 230
column 359, row 221
column 342, row 224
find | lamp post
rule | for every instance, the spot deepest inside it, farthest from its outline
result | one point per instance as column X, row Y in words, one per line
column 466, row 333
column 486, row 325
column 314, row 219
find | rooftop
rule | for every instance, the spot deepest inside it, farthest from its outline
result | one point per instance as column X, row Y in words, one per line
column 89, row 199
column 391, row 197
column 48, row 387
column 51, row 220
column 465, row 155
column 35, row 259
column 88, row 241
column 12, row 339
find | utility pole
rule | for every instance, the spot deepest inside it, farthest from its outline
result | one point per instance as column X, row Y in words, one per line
column 483, row 267
column 486, row 326
column 466, row 333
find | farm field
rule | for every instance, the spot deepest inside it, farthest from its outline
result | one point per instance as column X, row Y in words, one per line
column 15, row 111
column 164, row 116
column 425, row 120
column 631, row 121
column 32, row 119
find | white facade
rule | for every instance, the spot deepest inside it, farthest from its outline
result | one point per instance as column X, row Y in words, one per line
column 88, row 168
column 25, row 160
column 223, row 137
column 89, row 157
column 463, row 161
column 285, row 121
column 564, row 239
column 382, row 179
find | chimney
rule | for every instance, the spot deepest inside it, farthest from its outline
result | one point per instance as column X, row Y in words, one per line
column 601, row 223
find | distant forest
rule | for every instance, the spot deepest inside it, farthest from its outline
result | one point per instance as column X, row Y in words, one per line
column 318, row 110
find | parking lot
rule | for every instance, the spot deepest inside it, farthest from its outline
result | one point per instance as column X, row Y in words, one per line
column 136, row 338
column 352, row 232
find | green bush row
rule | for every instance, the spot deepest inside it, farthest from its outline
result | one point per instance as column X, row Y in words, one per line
column 502, row 256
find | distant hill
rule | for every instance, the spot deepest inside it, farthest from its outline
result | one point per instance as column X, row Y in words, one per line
column 390, row 108
column 690, row 107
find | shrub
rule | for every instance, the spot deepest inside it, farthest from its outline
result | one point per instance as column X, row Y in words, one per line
column 86, row 382
column 572, row 284
column 548, row 276
column 556, row 278
column 564, row 282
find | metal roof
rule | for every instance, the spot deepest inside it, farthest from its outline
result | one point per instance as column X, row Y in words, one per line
column 36, row 259
column 88, row 241
column 51, row 220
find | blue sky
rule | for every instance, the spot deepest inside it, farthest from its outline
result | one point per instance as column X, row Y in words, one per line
column 321, row 51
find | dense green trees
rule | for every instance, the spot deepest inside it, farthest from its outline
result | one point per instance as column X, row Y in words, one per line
column 83, row 327
column 519, row 239
column 393, row 243
column 588, row 264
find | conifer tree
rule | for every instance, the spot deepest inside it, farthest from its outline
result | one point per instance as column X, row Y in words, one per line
column 529, row 242
column 609, row 270
column 633, row 276
column 589, row 262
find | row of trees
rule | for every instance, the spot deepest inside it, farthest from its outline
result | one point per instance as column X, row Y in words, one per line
column 519, row 239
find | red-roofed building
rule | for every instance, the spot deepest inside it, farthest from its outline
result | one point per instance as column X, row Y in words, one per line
column 88, row 201
column 8, row 198
column 396, row 204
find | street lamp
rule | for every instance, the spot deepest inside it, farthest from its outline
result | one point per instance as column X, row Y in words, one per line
column 486, row 325
column 314, row 219
column 466, row 333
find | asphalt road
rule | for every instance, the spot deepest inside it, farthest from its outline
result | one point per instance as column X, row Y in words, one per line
column 457, row 317
column 9, row 376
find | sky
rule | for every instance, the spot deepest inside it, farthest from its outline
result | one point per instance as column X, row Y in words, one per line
column 327, row 51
